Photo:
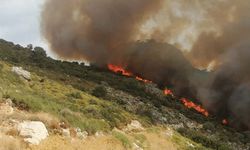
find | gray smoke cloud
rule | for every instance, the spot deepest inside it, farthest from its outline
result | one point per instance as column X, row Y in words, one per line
column 134, row 34
column 95, row 30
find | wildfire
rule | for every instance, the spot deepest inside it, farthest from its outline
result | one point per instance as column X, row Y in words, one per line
column 198, row 108
column 189, row 104
column 118, row 69
column 168, row 92
column 225, row 121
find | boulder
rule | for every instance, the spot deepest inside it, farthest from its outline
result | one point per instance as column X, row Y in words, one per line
column 33, row 132
column 66, row 132
column 134, row 126
column 21, row 72
column 81, row 134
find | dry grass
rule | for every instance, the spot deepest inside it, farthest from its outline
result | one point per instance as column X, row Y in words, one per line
column 12, row 132
column 9, row 143
column 49, row 120
column 60, row 143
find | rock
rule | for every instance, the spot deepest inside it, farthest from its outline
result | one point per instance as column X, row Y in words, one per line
column 190, row 145
column 177, row 126
column 66, row 132
column 21, row 72
column 99, row 133
column 169, row 133
column 134, row 126
column 6, row 109
column 33, row 131
column 193, row 125
column 136, row 147
column 82, row 135
column 9, row 102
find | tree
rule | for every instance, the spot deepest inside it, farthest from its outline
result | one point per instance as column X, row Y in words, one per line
column 40, row 52
column 30, row 47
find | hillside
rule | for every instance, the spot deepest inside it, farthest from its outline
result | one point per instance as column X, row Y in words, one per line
column 69, row 96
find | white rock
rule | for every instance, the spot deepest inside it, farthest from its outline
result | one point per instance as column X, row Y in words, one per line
column 190, row 144
column 99, row 133
column 134, row 126
column 136, row 147
column 82, row 135
column 66, row 132
column 169, row 132
column 33, row 131
column 21, row 72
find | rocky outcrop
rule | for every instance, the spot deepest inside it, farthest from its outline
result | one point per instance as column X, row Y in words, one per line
column 33, row 132
column 21, row 72
column 6, row 109
column 134, row 126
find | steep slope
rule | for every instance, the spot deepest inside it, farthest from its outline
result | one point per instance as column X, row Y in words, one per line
column 97, row 100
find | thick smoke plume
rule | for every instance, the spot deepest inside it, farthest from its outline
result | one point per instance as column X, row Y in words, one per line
column 95, row 30
column 212, row 34
column 104, row 32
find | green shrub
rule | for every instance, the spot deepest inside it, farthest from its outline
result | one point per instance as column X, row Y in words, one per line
column 1, row 67
column 122, row 138
column 76, row 95
column 201, row 138
column 100, row 92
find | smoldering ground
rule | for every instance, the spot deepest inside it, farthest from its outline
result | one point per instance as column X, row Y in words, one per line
column 212, row 33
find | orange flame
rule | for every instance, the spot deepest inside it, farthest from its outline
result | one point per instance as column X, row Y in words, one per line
column 225, row 121
column 186, row 102
column 189, row 104
column 168, row 92
column 118, row 69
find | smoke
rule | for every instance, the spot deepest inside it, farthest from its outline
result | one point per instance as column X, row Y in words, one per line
column 231, row 27
column 162, row 63
column 108, row 31
column 228, row 91
column 95, row 30
column 227, row 49
column 134, row 34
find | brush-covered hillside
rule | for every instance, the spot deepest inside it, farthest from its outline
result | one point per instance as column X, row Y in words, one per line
column 68, row 105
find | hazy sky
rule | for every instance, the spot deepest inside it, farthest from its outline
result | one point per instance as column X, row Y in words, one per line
column 20, row 21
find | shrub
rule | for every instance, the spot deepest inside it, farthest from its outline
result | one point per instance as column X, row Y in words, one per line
column 100, row 92
column 76, row 95
column 209, row 126
column 122, row 138
column 201, row 138
column 93, row 102
column 1, row 67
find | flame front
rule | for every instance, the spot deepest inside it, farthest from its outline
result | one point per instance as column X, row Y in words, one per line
column 168, row 92
column 198, row 108
column 189, row 104
column 118, row 69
